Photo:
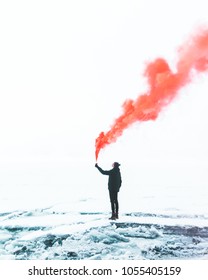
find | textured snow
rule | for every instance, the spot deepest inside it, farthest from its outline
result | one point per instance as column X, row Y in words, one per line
column 156, row 223
column 46, row 234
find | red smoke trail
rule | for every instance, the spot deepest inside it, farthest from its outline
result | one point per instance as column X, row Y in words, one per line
column 163, row 87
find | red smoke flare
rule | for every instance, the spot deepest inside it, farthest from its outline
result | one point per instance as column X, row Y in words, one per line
column 163, row 87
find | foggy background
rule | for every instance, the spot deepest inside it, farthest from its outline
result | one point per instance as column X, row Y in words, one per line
column 66, row 67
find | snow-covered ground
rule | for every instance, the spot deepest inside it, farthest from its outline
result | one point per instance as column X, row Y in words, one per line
column 71, row 231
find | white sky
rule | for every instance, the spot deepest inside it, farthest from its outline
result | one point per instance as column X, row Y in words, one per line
column 66, row 67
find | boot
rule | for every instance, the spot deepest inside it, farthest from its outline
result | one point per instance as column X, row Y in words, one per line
column 116, row 215
column 113, row 216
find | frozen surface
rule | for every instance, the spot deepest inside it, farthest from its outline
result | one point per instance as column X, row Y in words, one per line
column 52, row 233
column 66, row 221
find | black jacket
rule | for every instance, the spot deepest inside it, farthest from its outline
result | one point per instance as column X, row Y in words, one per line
column 114, row 181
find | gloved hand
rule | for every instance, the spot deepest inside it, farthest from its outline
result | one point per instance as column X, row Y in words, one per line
column 96, row 165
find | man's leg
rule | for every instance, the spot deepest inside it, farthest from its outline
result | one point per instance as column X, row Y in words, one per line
column 116, row 204
column 112, row 200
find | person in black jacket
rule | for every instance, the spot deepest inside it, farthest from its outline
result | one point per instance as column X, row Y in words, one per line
column 114, row 184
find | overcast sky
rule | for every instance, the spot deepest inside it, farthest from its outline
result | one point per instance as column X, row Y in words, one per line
column 66, row 67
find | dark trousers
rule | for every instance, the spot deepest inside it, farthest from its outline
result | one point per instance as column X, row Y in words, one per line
column 114, row 201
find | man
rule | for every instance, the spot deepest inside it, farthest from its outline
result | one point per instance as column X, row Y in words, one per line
column 114, row 184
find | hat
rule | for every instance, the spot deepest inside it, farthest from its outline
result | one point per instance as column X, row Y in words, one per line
column 116, row 164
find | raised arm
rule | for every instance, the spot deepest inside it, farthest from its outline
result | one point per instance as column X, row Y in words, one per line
column 104, row 172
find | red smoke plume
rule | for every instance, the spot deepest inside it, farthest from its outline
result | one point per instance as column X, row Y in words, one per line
column 163, row 87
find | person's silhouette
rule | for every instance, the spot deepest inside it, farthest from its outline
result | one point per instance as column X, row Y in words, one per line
column 114, row 184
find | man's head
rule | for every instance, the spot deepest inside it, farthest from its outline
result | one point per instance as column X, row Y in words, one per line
column 116, row 164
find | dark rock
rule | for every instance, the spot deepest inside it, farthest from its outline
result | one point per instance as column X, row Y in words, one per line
column 21, row 251
column 72, row 255
column 49, row 241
